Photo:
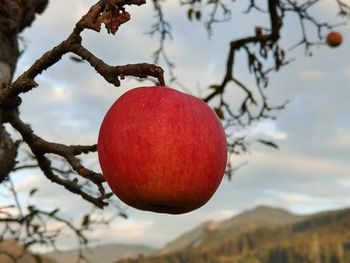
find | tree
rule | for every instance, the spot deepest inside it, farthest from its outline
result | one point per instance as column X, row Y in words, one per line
column 61, row 163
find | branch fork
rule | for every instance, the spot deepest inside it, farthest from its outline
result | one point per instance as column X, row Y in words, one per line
column 112, row 14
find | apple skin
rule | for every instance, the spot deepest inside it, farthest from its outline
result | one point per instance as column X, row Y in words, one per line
column 334, row 39
column 161, row 150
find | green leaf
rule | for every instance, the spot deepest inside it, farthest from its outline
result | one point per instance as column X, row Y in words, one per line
column 189, row 14
column 33, row 191
column 54, row 212
column 269, row 143
column 36, row 227
column 220, row 113
column 198, row 15
column 214, row 86
column 124, row 215
column 86, row 221
column 76, row 59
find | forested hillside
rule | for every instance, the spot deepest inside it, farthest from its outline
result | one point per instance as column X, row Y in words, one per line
column 321, row 238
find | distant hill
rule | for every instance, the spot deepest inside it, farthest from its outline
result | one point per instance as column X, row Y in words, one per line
column 188, row 239
column 265, row 214
column 261, row 216
column 103, row 253
column 211, row 231
column 13, row 252
column 319, row 238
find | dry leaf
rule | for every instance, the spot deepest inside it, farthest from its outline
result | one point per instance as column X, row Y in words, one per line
column 113, row 20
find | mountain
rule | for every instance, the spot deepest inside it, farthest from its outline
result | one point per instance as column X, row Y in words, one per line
column 318, row 238
column 103, row 253
column 11, row 251
column 188, row 239
column 261, row 216
column 211, row 231
column 265, row 214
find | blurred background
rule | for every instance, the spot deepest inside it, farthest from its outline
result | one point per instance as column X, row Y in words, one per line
column 309, row 173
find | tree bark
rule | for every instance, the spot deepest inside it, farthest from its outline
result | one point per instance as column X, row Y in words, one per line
column 15, row 16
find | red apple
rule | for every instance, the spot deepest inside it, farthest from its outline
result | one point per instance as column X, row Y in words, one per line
column 162, row 150
column 334, row 39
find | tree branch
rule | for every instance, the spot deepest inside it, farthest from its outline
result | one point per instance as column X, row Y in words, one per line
column 112, row 14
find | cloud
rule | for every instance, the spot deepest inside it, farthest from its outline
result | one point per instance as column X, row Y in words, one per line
column 311, row 75
column 49, row 195
column 267, row 129
column 270, row 130
column 219, row 215
column 334, row 4
column 5, row 211
column 60, row 94
column 302, row 203
column 294, row 198
column 299, row 163
column 129, row 231
column 290, row 199
column 347, row 72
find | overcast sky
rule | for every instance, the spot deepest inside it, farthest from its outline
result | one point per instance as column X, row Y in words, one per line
column 310, row 172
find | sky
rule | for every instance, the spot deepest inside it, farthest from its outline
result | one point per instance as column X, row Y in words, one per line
column 310, row 172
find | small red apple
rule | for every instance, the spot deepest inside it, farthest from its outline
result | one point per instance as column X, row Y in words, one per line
column 334, row 39
column 162, row 150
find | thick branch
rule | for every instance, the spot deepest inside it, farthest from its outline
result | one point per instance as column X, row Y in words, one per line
column 113, row 74
column 8, row 153
column 112, row 14
column 40, row 147
column 30, row 9
column 70, row 185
